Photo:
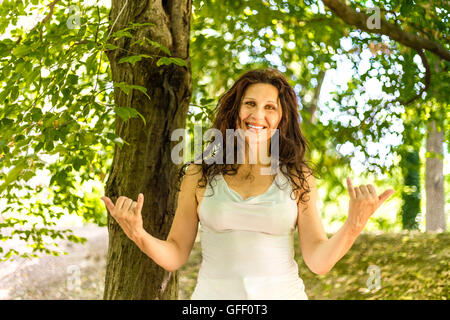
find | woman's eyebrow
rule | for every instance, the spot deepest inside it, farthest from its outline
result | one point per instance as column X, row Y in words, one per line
column 255, row 99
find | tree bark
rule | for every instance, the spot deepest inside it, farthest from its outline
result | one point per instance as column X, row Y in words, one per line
column 144, row 164
column 434, row 179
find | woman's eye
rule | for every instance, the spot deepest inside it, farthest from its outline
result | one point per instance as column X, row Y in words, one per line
column 252, row 103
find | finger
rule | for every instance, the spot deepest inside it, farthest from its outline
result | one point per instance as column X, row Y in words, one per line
column 120, row 201
column 140, row 203
column 133, row 206
column 364, row 191
column 350, row 188
column 108, row 203
column 372, row 190
column 127, row 205
column 385, row 195
column 358, row 192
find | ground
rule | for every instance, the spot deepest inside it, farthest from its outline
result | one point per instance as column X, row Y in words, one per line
column 51, row 277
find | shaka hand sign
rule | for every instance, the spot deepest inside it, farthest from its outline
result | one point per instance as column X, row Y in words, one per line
column 363, row 203
column 127, row 213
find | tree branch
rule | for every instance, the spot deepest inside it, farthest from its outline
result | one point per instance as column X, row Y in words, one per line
column 427, row 78
column 49, row 15
column 315, row 100
column 359, row 20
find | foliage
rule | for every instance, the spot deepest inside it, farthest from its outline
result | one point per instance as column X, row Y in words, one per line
column 304, row 40
column 53, row 102
column 410, row 90
column 56, row 100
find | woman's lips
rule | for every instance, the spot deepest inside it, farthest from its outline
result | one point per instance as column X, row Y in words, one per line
column 254, row 129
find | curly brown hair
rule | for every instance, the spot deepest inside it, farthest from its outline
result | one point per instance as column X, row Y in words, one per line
column 292, row 143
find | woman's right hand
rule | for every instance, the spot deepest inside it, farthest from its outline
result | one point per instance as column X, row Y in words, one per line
column 127, row 213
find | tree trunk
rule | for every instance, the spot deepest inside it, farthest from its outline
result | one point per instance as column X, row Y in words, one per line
column 315, row 101
column 410, row 165
column 434, row 177
column 145, row 164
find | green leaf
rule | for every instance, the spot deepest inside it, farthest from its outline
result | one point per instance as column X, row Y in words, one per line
column 78, row 162
column 205, row 101
column 72, row 79
column 91, row 62
column 14, row 93
column 36, row 114
column 134, row 59
column 121, row 34
column 136, row 25
column 168, row 60
column 158, row 45
column 21, row 50
column 110, row 46
column 28, row 175
column 123, row 86
column 123, row 112
column 406, row 7
column 126, row 113
column 32, row 75
column 142, row 89
column 127, row 88
column 4, row 94
column 14, row 173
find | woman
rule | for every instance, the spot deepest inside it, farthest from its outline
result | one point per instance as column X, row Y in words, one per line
column 248, row 214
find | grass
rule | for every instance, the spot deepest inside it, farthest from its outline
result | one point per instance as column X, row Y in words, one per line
column 412, row 265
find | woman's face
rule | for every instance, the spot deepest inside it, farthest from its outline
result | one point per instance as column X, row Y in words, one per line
column 260, row 107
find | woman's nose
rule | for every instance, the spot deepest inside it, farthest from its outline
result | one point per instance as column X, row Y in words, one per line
column 258, row 113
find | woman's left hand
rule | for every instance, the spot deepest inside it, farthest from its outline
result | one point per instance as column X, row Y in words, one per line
column 363, row 203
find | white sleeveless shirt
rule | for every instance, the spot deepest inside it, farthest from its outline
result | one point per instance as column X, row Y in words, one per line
column 248, row 245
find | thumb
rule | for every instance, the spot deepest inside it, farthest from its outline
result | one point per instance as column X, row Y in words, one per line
column 108, row 203
column 140, row 202
column 385, row 195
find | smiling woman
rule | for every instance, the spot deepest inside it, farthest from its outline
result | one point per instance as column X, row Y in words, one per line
column 248, row 218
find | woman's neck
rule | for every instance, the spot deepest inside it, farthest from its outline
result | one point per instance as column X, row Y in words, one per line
column 254, row 158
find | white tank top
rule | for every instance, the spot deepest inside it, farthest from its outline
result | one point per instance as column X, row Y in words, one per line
column 248, row 245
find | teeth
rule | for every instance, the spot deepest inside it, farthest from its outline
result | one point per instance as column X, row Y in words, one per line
column 255, row 127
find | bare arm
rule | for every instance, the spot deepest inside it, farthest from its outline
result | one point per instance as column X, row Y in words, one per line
column 310, row 228
column 319, row 252
column 172, row 253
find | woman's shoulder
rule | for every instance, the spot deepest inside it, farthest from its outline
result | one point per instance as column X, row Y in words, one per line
column 193, row 168
column 307, row 175
column 194, row 173
column 306, row 172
